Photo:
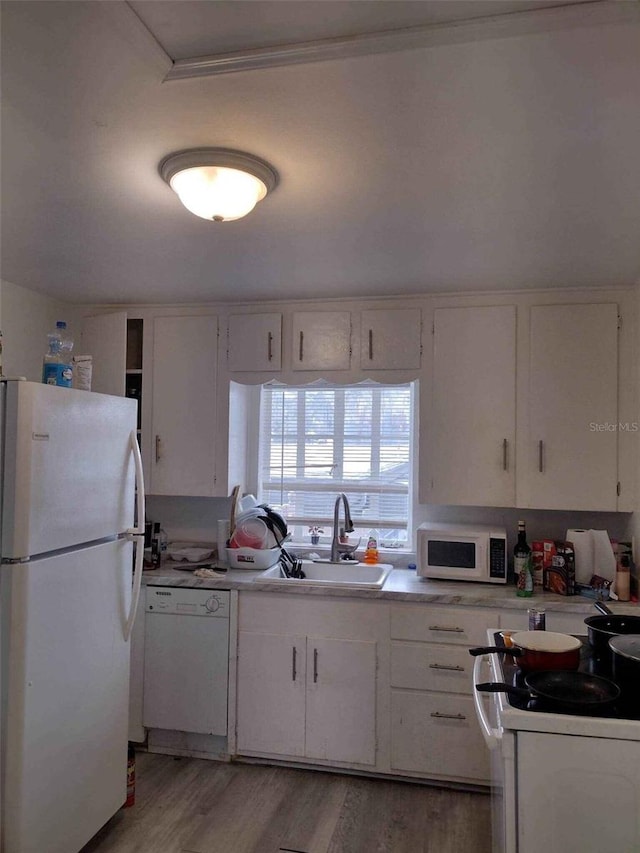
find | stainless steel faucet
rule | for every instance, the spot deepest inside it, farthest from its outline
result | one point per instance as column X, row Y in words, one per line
column 338, row 547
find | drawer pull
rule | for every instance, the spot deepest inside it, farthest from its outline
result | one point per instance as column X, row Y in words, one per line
column 445, row 628
column 444, row 666
column 448, row 716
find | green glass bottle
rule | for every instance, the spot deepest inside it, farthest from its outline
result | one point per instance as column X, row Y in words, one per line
column 522, row 563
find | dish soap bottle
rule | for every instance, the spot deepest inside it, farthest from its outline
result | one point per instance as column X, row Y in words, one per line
column 371, row 554
column 522, row 563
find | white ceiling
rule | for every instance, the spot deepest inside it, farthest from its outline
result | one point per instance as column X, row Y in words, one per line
column 493, row 157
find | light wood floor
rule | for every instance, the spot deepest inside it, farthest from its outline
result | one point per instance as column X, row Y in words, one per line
column 192, row 806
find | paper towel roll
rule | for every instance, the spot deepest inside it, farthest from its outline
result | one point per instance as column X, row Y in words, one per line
column 583, row 546
column 604, row 560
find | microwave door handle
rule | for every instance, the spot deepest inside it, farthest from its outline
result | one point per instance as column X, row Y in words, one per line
column 481, row 564
column 492, row 737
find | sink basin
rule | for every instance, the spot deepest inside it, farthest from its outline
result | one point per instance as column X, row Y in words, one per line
column 360, row 576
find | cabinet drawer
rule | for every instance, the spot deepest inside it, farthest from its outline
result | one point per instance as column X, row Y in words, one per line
column 437, row 735
column 431, row 667
column 461, row 625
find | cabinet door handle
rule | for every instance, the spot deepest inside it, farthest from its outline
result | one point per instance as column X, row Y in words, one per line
column 315, row 666
column 541, row 456
column 444, row 666
column 445, row 628
column 301, row 348
column 270, row 346
column 370, row 344
column 505, row 454
column 158, row 448
column 448, row 716
column 294, row 656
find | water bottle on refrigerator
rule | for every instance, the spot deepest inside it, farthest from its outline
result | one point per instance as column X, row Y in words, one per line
column 56, row 366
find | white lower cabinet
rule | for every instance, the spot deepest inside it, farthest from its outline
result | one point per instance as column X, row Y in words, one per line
column 437, row 735
column 434, row 731
column 307, row 696
column 307, row 679
column 271, row 693
column 341, row 700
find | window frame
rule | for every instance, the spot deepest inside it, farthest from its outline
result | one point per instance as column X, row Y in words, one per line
column 354, row 487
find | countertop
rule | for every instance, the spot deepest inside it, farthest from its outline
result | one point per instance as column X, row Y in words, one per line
column 401, row 585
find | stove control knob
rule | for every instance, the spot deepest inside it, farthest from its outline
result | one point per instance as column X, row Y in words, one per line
column 212, row 604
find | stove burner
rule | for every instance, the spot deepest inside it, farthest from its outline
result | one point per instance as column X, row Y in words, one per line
column 590, row 662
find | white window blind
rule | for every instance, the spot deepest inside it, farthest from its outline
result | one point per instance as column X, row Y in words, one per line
column 319, row 440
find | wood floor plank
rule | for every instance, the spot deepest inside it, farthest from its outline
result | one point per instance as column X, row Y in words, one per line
column 195, row 806
column 318, row 804
column 460, row 822
column 238, row 819
column 168, row 803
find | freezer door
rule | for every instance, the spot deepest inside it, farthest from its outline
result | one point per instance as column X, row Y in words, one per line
column 66, row 692
column 68, row 468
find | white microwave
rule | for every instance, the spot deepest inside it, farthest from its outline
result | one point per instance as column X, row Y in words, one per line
column 468, row 552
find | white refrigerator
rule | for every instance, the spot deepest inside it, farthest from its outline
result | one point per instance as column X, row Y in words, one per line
column 68, row 593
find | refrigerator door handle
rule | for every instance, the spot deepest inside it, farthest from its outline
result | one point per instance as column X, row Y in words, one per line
column 138, row 543
column 140, row 495
column 137, row 534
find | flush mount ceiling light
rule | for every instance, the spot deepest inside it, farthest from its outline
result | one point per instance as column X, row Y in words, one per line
column 217, row 183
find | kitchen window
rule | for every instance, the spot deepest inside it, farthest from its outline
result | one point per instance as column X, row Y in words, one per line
column 319, row 440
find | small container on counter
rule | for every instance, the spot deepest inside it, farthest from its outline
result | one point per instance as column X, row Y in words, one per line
column 623, row 578
column 537, row 619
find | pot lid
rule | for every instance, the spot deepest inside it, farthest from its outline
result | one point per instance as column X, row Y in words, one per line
column 545, row 641
column 627, row 645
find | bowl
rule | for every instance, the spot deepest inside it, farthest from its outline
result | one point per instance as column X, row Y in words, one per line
column 256, row 559
column 190, row 553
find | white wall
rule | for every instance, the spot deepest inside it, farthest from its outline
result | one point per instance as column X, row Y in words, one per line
column 26, row 318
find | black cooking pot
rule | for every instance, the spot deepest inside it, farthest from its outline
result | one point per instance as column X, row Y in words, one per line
column 602, row 628
column 625, row 651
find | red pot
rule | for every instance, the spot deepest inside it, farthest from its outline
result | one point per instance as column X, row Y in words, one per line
column 539, row 650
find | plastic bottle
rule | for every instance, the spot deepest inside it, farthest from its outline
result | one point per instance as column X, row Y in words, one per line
column 156, row 553
column 371, row 554
column 522, row 563
column 56, row 367
column 164, row 543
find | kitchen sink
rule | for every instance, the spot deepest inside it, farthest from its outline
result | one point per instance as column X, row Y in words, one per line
column 360, row 576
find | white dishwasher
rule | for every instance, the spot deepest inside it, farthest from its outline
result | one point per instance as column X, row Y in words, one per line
column 186, row 660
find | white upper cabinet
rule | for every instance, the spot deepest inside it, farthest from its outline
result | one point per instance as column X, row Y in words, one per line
column 572, row 445
column 104, row 337
column 470, row 435
column 184, row 405
column 321, row 340
column 390, row 339
column 254, row 342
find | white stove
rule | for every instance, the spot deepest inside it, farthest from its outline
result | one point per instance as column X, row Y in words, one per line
column 560, row 782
